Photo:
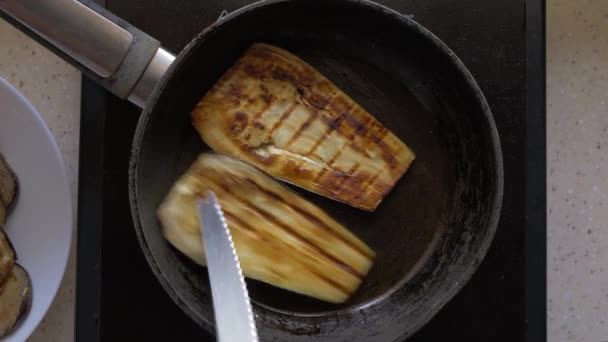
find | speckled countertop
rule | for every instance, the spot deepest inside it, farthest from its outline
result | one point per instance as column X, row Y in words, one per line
column 577, row 124
column 577, row 127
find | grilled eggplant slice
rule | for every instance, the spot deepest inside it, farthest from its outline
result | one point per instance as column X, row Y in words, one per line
column 281, row 239
column 15, row 299
column 7, row 257
column 278, row 113
column 8, row 183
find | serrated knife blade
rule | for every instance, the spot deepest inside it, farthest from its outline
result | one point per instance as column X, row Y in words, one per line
column 234, row 320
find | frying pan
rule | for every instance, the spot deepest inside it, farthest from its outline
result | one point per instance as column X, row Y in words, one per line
column 430, row 233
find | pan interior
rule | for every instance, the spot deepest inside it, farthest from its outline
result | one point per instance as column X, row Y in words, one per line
column 437, row 214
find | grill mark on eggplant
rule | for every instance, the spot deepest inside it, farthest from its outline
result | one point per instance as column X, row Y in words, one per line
column 282, row 118
column 277, row 274
column 374, row 132
column 310, row 217
column 302, row 128
column 337, row 181
column 243, row 225
column 307, row 242
column 387, row 152
column 330, row 282
column 252, row 149
column 315, row 100
column 337, row 286
column 362, row 129
column 361, row 126
column 340, row 184
column 330, row 164
column 259, row 113
column 368, row 184
column 239, row 118
column 332, row 125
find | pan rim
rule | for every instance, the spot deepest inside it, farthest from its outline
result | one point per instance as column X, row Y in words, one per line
column 493, row 218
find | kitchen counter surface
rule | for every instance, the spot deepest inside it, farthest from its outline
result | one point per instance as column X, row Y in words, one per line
column 577, row 124
column 577, row 127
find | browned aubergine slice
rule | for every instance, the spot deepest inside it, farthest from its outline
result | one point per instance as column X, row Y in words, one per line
column 7, row 256
column 275, row 111
column 281, row 238
column 15, row 299
column 8, row 184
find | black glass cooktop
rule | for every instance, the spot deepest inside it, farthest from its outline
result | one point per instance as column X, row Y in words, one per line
column 500, row 41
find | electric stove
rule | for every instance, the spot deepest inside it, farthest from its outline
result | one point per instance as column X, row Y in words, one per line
column 502, row 44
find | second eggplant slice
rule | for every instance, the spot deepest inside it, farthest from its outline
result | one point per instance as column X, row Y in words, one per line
column 281, row 238
column 275, row 111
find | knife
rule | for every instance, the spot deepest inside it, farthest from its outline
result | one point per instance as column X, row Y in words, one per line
column 234, row 320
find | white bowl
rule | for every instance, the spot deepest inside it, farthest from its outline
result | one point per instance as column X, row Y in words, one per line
column 41, row 223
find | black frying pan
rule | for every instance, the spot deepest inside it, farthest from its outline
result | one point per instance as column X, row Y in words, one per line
column 430, row 233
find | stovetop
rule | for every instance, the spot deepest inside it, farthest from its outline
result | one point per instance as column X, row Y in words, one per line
column 501, row 42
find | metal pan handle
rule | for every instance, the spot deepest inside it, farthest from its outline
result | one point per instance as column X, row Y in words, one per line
column 118, row 56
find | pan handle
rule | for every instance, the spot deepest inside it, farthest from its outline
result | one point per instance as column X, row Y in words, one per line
column 118, row 56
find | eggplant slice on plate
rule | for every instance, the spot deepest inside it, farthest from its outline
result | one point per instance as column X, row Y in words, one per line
column 281, row 239
column 15, row 286
column 275, row 111
column 8, row 184
column 15, row 299
column 7, row 257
